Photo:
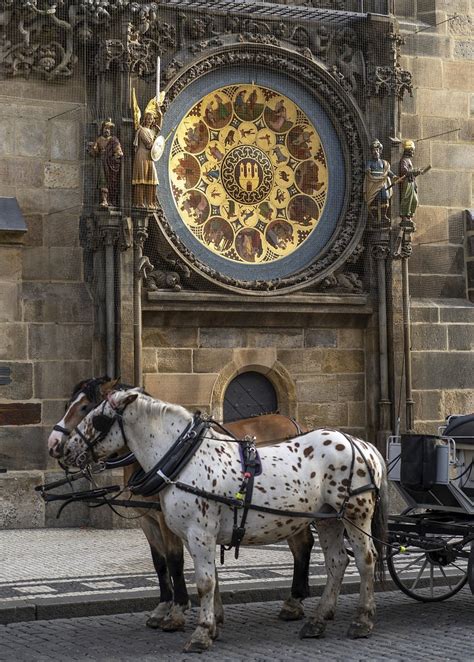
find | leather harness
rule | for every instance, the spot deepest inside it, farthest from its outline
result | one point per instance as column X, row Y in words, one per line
column 168, row 468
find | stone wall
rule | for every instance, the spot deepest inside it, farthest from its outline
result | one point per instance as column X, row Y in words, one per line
column 46, row 314
column 443, row 360
column 441, row 60
column 317, row 363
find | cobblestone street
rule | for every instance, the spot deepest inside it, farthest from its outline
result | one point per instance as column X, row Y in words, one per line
column 404, row 630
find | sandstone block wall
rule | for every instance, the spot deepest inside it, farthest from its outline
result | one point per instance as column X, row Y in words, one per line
column 317, row 367
column 443, row 361
column 441, row 60
column 46, row 313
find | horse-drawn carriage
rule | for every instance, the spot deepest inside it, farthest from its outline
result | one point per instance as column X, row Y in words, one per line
column 429, row 547
column 431, row 556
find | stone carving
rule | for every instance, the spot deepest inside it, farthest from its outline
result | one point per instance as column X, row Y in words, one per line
column 41, row 36
column 47, row 60
column 389, row 81
column 204, row 45
column 108, row 150
column 138, row 54
column 172, row 69
column 159, row 279
column 340, row 282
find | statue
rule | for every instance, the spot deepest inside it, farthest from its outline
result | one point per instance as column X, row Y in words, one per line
column 408, row 186
column 408, row 199
column 144, row 177
column 377, row 184
column 109, row 150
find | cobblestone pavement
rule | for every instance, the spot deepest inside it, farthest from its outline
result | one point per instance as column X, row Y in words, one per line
column 404, row 630
column 89, row 562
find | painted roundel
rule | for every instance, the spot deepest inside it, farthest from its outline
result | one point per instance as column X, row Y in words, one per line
column 248, row 174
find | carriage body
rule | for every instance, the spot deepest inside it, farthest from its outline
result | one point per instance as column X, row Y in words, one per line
column 431, row 553
column 436, row 472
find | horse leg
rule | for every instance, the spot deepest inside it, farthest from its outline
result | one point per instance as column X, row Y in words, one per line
column 202, row 548
column 153, row 535
column 365, row 557
column 300, row 545
column 331, row 537
column 175, row 618
column 218, row 607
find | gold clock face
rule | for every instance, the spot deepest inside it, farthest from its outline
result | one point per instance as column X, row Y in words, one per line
column 248, row 174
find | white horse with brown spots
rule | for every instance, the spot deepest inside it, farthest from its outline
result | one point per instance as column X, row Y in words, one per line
column 323, row 471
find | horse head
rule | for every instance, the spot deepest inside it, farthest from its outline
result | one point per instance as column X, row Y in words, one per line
column 86, row 395
column 99, row 433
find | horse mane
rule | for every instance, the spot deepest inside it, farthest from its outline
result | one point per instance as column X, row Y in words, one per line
column 91, row 388
column 153, row 407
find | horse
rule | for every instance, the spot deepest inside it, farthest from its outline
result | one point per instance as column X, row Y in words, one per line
column 339, row 481
column 165, row 547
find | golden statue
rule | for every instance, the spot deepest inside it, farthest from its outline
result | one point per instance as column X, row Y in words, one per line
column 144, row 177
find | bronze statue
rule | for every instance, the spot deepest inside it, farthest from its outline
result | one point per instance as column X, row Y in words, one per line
column 377, row 184
column 144, row 177
column 109, row 150
column 408, row 185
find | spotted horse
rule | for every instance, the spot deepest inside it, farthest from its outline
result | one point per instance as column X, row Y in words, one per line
column 166, row 548
column 323, row 475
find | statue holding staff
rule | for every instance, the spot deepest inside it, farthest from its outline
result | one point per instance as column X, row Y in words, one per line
column 108, row 149
column 408, row 185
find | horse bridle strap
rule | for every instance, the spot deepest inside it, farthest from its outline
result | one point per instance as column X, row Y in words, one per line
column 172, row 463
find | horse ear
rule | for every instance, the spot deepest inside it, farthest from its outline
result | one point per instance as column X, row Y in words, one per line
column 131, row 398
column 123, row 399
column 108, row 386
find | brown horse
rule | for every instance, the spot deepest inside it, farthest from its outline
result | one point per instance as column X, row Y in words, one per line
column 166, row 548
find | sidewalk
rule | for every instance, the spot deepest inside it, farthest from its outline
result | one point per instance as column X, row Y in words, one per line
column 60, row 573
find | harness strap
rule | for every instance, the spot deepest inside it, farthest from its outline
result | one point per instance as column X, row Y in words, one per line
column 237, row 503
column 59, row 428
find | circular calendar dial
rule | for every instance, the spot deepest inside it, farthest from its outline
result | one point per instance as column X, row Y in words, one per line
column 248, row 174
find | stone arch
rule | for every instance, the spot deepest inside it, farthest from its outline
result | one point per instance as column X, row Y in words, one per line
column 262, row 361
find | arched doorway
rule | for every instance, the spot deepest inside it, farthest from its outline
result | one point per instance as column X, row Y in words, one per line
column 249, row 394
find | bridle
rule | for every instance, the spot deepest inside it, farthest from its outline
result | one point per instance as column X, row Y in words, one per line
column 102, row 424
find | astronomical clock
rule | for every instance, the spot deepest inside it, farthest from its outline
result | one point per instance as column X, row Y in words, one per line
column 253, row 178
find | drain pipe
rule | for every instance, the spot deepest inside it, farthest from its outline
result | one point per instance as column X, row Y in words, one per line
column 108, row 225
column 140, row 234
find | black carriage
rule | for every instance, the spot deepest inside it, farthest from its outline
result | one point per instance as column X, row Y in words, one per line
column 431, row 553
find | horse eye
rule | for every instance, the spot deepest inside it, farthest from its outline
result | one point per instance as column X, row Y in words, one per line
column 84, row 408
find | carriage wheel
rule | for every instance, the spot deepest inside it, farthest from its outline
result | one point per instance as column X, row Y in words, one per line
column 429, row 576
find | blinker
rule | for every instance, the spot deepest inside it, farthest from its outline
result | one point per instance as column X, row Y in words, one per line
column 102, row 423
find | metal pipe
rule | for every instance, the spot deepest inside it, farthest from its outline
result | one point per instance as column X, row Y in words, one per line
column 383, row 348
column 110, row 306
column 137, row 315
column 409, row 403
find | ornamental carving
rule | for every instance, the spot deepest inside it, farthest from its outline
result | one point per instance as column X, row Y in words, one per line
column 392, row 81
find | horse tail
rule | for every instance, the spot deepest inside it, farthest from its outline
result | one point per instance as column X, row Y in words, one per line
column 380, row 525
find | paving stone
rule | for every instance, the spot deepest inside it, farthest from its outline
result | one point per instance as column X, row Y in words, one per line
column 403, row 630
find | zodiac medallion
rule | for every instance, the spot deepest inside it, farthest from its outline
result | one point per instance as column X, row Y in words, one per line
column 248, row 174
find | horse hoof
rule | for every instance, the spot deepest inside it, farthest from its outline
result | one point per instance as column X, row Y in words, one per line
column 154, row 622
column 200, row 641
column 172, row 625
column 359, row 630
column 312, row 630
column 196, row 646
column 292, row 610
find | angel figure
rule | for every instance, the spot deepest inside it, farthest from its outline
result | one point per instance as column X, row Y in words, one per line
column 144, row 177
